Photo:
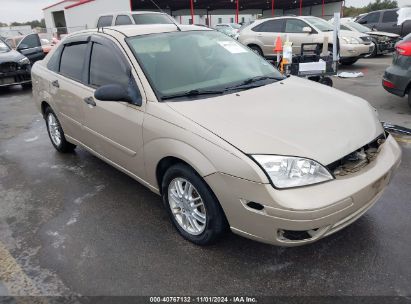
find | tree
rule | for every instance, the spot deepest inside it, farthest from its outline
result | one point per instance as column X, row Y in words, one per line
column 373, row 6
column 33, row 23
column 3, row 24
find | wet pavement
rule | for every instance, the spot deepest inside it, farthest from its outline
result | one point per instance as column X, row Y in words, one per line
column 73, row 225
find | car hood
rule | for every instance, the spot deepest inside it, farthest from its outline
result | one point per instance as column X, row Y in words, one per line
column 376, row 33
column 12, row 55
column 292, row 117
column 345, row 33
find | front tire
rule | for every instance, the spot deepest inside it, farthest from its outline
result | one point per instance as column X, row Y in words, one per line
column 56, row 133
column 26, row 86
column 191, row 205
column 256, row 49
column 348, row 61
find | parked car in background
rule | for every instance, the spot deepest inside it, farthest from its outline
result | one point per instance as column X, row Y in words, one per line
column 235, row 27
column 384, row 42
column 29, row 45
column 386, row 21
column 229, row 31
column 217, row 131
column 262, row 34
column 15, row 68
column 397, row 77
column 127, row 18
column 48, row 44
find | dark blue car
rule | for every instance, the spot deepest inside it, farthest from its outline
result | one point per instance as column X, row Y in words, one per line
column 397, row 77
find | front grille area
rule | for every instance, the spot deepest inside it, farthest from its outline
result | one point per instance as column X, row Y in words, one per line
column 358, row 159
column 7, row 67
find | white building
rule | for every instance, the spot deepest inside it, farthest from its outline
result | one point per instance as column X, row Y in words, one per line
column 72, row 15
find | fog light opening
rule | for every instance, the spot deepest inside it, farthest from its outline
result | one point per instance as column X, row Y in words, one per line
column 294, row 235
column 256, row 206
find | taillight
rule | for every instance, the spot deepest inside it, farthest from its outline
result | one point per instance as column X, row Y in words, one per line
column 388, row 84
column 404, row 48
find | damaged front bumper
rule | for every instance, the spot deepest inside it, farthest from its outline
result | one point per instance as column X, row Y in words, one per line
column 300, row 216
column 14, row 76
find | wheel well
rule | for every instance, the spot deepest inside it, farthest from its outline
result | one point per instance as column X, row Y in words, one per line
column 253, row 44
column 169, row 161
column 44, row 106
column 163, row 166
column 408, row 90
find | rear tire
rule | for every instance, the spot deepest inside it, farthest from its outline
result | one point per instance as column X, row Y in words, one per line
column 348, row 61
column 194, row 210
column 26, row 86
column 256, row 49
column 409, row 97
column 56, row 133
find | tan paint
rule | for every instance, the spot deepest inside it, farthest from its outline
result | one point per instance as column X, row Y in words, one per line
column 293, row 117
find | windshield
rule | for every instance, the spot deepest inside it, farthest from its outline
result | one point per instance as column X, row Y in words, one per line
column 151, row 19
column 4, row 47
column 190, row 61
column 320, row 24
column 358, row 27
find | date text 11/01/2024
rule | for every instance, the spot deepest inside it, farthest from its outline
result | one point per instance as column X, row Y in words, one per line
column 199, row 299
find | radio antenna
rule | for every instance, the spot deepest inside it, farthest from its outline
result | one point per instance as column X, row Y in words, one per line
column 159, row 8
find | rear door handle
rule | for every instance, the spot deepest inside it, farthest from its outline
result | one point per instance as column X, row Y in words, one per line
column 55, row 83
column 90, row 101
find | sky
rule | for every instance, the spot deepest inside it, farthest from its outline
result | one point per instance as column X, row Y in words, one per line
column 27, row 10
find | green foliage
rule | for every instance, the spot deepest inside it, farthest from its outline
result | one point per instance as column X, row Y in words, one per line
column 33, row 23
column 373, row 6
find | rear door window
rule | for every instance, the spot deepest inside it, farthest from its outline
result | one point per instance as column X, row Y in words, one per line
column 104, row 21
column 390, row 16
column 72, row 61
column 123, row 20
column 270, row 26
column 106, row 67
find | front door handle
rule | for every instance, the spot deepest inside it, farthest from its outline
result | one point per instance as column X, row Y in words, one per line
column 90, row 101
column 55, row 83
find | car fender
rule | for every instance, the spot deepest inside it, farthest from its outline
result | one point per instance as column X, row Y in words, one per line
column 160, row 148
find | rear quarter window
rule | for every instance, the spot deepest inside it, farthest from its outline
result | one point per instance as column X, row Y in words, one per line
column 104, row 21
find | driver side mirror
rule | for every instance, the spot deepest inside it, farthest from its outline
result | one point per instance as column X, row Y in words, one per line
column 115, row 92
column 112, row 92
column 307, row 30
column 362, row 21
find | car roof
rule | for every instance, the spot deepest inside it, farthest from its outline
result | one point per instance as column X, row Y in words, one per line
column 145, row 29
column 383, row 10
column 130, row 13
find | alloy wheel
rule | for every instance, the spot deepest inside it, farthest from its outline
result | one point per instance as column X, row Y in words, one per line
column 187, row 206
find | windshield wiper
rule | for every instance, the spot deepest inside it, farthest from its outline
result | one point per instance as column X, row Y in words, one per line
column 246, row 83
column 192, row 93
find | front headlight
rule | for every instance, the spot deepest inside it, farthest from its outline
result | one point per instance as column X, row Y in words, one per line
column 24, row 61
column 289, row 171
column 351, row 40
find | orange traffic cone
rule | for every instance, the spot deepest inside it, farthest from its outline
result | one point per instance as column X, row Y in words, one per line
column 278, row 45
